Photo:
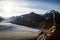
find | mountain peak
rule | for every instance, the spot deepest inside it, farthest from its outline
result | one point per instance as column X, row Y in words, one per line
column 32, row 13
column 53, row 11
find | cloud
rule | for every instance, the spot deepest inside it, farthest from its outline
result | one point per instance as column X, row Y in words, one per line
column 44, row 5
column 12, row 8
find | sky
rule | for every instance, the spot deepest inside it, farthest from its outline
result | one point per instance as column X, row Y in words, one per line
column 10, row 8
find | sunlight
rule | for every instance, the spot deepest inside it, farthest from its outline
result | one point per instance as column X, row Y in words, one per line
column 14, row 8
column 11, row 8
column 7, row 6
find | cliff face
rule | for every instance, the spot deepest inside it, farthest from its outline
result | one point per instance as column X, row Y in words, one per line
column 49, row 17
column 56, row 34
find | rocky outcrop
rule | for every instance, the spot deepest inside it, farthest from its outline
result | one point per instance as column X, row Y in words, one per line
column 53, row 33
column 47, row 34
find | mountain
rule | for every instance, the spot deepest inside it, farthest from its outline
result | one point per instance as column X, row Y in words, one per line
column 32, row 20
column 49, row 18
column 1, row 18
column 35, row 20
column 49, row 23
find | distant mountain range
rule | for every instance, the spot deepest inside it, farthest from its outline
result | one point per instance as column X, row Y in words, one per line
column 1, row 18
column 35, row 20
